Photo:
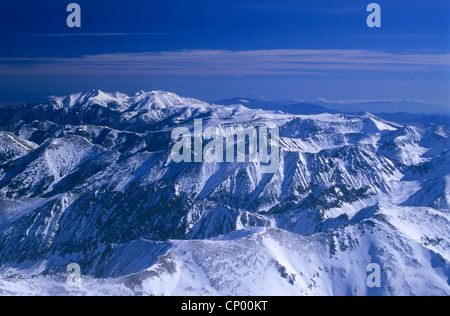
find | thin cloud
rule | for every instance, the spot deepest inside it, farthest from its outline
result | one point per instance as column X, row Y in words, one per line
column 90, row 34
column 280, row 62
column 344, row 102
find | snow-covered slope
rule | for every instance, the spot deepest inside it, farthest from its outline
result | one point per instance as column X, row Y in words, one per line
column 13, row 147
column 89, row 178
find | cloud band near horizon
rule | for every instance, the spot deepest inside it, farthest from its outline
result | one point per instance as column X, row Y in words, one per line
column 226, row 63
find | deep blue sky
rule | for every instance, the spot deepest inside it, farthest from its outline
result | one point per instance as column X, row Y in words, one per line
column 215, row 49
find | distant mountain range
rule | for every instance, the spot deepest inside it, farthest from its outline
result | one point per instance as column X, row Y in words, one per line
column 292, row 107
column 89, row 179
column 402, row 112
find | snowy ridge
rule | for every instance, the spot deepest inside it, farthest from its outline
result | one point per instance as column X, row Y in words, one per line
column 12, row 147
column 89, row 178
column 123, row 102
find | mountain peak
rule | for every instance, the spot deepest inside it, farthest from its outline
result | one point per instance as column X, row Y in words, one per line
column 89, row 98
column 142, row 100
column 158, row 100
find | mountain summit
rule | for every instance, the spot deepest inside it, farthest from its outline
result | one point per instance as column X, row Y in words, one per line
column 154, row 100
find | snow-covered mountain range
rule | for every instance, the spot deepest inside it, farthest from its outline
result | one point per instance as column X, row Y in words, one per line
column 89, row 179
